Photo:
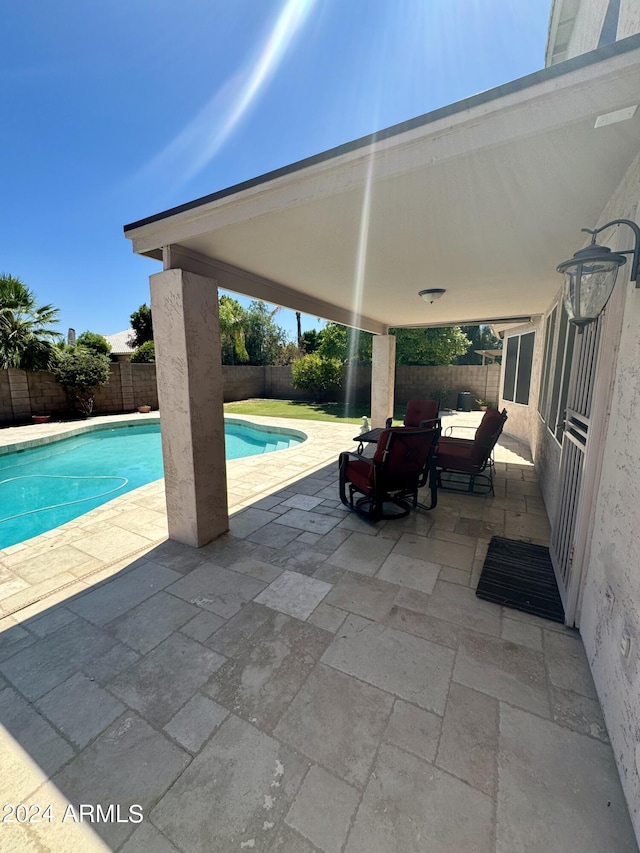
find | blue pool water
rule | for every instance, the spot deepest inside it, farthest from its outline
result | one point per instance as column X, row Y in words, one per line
column 46, row 486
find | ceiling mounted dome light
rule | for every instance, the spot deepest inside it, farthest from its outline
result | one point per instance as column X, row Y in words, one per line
column 590, row 275
column 433, row 294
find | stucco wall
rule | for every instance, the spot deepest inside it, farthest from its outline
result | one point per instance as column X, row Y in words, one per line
column 588, row 24
column 526, row 424
column 611, row 599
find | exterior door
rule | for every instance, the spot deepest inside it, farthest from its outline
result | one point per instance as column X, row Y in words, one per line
column 575, row 444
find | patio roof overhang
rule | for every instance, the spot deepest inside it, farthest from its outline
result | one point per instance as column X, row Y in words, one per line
column 483, row 198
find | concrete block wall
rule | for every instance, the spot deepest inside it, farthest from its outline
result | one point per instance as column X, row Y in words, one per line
column 6, row 408
column 45, row 395
column 483, row 381
column 131, row 385
column 278, row 385
column 243, row 382
column 145, row 388
column 109, row 398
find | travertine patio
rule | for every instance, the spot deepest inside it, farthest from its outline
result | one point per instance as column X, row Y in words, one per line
column 307, row 682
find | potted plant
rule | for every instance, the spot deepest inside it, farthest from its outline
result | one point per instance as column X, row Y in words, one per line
column 482, row 405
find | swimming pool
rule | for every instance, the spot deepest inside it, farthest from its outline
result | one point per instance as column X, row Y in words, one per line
column 45, row 486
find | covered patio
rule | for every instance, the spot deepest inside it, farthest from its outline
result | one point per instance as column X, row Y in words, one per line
column 307, row 682
column 482, row 199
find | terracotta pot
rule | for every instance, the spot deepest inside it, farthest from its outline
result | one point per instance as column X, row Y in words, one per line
column 41, row 419
column 144, row 410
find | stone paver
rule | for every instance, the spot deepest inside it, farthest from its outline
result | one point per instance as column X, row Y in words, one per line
column 194, row 723
column 80, row 709
column 414, row 730
column 416, row 574
column 322, row 795
column 262, row 680
column 162, row 681
column 216, row 589
column 414, row 807
column 294, row 594
column 234, row 792
column 403, row 714
column 338, row 722
column 469, row 744
column 363, row 595
column 558, row 790
column 504, row 670
column 406, row 666
column 129, row 763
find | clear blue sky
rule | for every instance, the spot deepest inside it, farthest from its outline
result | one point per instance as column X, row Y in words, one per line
column 113, row 111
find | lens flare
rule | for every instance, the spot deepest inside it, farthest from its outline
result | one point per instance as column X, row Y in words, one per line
column 198, row 143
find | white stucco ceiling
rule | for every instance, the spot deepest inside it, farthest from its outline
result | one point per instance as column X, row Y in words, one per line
column 484, row 199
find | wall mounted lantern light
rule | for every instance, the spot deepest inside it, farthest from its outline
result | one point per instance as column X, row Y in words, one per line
column 590, row 275
column 432, row 295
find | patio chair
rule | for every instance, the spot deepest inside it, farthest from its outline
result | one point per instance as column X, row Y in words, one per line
column 469, row 461
column 403, row 461
column 420, row 413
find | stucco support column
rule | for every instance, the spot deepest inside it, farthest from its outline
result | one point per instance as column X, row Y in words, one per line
column 383, row 377
column 189, row 370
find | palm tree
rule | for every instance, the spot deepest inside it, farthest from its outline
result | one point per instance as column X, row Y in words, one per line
column 26, row 341
column 231, row 317
column 299, row 325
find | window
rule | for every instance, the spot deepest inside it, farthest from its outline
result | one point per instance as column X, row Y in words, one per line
column 517, row 369
column 556, row 370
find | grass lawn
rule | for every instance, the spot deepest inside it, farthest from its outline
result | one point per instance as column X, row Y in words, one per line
column 302, row 410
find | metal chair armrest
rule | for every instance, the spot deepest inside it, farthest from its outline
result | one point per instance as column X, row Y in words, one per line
column 449, row 430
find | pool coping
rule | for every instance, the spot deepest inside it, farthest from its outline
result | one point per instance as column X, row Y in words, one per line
column 59, row 430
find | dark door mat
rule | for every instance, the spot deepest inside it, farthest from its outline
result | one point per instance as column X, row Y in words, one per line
column 520, row 575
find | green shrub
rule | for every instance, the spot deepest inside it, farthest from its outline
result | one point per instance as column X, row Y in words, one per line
column 321, row 377
column 441, row 396
column 94, row 341
column 80, row 372
column 145, row 354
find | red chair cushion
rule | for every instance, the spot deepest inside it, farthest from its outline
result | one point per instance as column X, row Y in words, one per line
column 360, row 473
column 489, row 425
column 459, row 454
column 420, row 410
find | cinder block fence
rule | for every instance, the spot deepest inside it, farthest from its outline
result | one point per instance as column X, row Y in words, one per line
column 23, row 394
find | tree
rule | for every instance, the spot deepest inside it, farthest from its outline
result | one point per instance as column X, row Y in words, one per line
column 80, row 372
column 310, row 341
column 95, row 342
column 263, row 337
column 429, row 346
column 345, row 343
column 321, row 377
column 288, row 354
column 145, row 354
column 481, row 337
column 232, row 318
column 26, row 339
column 299, row 329
column 142, row 326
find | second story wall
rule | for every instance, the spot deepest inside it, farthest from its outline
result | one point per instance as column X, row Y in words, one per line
column 578, row 26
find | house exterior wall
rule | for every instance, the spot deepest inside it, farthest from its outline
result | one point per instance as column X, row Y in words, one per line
column 610, row 609
column 590, row 18
column 526, row 424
